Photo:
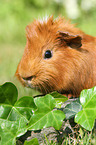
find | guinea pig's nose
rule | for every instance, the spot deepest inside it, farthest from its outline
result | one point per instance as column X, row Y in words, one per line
column 27, row 78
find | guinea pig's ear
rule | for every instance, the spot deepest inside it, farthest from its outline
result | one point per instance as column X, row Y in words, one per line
column 74, row 41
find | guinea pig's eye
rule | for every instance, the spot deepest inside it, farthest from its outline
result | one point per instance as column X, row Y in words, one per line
column 48, row 54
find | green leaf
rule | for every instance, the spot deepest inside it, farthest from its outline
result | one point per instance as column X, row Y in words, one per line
column 25, row 106
column 34, row 141
column 59, row 99
column 72, row 108
column 8, row 93
column 45, row 116
column 10, row 130
column 87, row 115
column 12, row 110
column 13, row 115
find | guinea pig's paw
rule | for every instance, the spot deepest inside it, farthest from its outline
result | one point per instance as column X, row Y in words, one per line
column 69, row 96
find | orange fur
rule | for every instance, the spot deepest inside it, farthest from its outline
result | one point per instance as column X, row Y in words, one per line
column 72, row 66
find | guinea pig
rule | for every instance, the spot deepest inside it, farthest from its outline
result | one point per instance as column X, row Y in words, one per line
column 57, row 57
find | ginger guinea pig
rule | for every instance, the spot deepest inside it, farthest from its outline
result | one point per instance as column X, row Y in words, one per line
column 58, row 57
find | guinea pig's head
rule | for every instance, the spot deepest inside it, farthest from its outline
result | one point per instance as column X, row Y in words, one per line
column 48, row 63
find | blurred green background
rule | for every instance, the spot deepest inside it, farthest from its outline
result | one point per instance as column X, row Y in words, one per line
column 16, row 14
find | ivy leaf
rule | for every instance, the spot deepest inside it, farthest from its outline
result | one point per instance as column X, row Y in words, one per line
column 87, row 115
column 34, row 141
column 13, row 115
column 12, row 110
column 10, row 130
column 59, row 99
column 25, row 106
column 72, row 108
column 45, row 116
column 8, row 93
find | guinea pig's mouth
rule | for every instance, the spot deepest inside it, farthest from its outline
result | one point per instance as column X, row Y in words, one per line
column 45, row 88
column 43, row 91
